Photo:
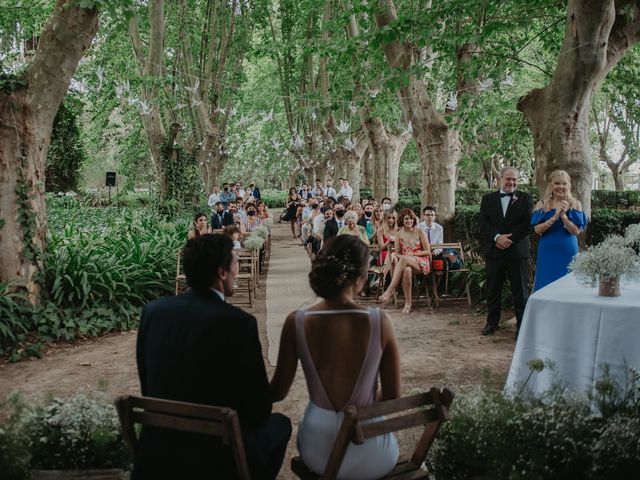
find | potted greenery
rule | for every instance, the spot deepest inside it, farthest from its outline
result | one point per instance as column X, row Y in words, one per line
column 608, row 261
column 77, row 437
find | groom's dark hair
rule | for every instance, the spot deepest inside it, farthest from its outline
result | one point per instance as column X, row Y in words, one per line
column 202, row 256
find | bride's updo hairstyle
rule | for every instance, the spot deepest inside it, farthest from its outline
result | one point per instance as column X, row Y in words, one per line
column 342, row 259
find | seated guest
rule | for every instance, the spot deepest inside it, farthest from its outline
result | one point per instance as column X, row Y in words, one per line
column 387, row 204
column 342, row 348
column 200, row 226
column 221, row 218
column 330, row 192
column 227, row 195
column 255, row 191
column 318, row 229
column 377, row 220
column 318, row 191
column 413, row 252
column 351, row 227
column 263, row 211
column 331, row 227
column 214, row 198
column 366, row 219
column 387, row 235
column 251, row 221
column 197, row 348
column 233, row 233
column 432, row 230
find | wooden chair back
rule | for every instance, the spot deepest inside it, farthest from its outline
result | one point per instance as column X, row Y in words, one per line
column 463, row 270
column 188, row 417
column 429, row 409
column 181, row 278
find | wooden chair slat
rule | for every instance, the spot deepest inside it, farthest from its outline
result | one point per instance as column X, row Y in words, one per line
column 181, row 423
column 186, row 409
column 433, row 410
column 219, row 422
column 397, row 424
column 395, row 405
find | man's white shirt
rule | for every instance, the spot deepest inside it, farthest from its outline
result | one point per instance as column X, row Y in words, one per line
column 346, row 191
column 213, row 199
column 435, row 234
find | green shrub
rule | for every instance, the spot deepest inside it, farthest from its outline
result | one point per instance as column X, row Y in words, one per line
column 612, row 199
column 129, row 259
column 15, row 319
column 75, row 433
column 274, row 198
column 553, row 436
column 102, row 265
column 606, row 221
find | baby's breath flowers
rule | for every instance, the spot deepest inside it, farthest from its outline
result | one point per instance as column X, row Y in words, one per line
column 254, row 242
column 612, row 258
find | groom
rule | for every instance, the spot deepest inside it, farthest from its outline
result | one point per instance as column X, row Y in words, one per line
column 197, row 348
column 504, row 222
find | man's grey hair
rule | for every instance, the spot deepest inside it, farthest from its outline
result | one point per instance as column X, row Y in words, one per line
column 504, row 170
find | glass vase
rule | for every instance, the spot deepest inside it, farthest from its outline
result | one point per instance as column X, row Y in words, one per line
column 609, row 286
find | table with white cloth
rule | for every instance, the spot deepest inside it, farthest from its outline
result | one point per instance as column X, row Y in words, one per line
column 580, row 332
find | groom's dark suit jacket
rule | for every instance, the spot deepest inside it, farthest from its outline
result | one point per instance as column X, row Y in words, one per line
column 516, row 221
column 196, row 348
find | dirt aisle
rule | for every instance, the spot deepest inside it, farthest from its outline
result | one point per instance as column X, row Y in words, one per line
column 439, row 347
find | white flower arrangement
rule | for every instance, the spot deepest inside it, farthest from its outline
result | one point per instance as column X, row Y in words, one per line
column 79, row 432
column 254, row 242
column 268, row 222
column 612, row 258
column 262, row 231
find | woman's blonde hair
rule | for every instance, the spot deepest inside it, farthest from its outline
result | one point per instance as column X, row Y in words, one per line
column 554, row 177
column 350, row 215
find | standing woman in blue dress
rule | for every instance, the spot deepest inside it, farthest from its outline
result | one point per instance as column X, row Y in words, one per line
column 558, row 219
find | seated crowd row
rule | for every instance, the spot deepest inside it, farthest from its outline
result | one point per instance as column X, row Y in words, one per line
column 316, row 217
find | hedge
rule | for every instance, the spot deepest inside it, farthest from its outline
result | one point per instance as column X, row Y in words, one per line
column 604, row 222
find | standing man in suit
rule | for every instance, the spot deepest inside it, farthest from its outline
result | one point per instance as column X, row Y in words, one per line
column 221, row 217
column 197, row 348
column 504, row 222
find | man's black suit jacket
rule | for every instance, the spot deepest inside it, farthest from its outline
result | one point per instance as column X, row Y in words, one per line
column 330, row 229
column 227, row 219
column 196, row 348
column 516, row 221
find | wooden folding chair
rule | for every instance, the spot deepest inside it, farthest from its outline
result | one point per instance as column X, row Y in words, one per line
column 187, row 417
column 375, row 271
column 429, row 409
column 181, row 278
column 463, row 272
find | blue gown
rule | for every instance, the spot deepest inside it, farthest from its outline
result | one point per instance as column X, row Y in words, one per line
column 557, row 246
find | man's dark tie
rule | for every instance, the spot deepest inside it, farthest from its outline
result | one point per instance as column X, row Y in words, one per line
column 502, row 194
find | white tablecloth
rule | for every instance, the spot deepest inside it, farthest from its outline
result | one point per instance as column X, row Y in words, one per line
column 568, row 323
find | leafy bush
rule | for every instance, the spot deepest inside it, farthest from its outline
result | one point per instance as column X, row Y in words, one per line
column 79, row 432
column 14, row 310
column 606, row 221
column 131, row 260
column 554, row 436
column 274, row 198
column 102, row 265
column 14, row 449
column 612, row 199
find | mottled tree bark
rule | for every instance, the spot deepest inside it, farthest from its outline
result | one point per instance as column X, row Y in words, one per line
column 386, row 149
column 26, row 119
column 597, row 34
column 437, row 143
